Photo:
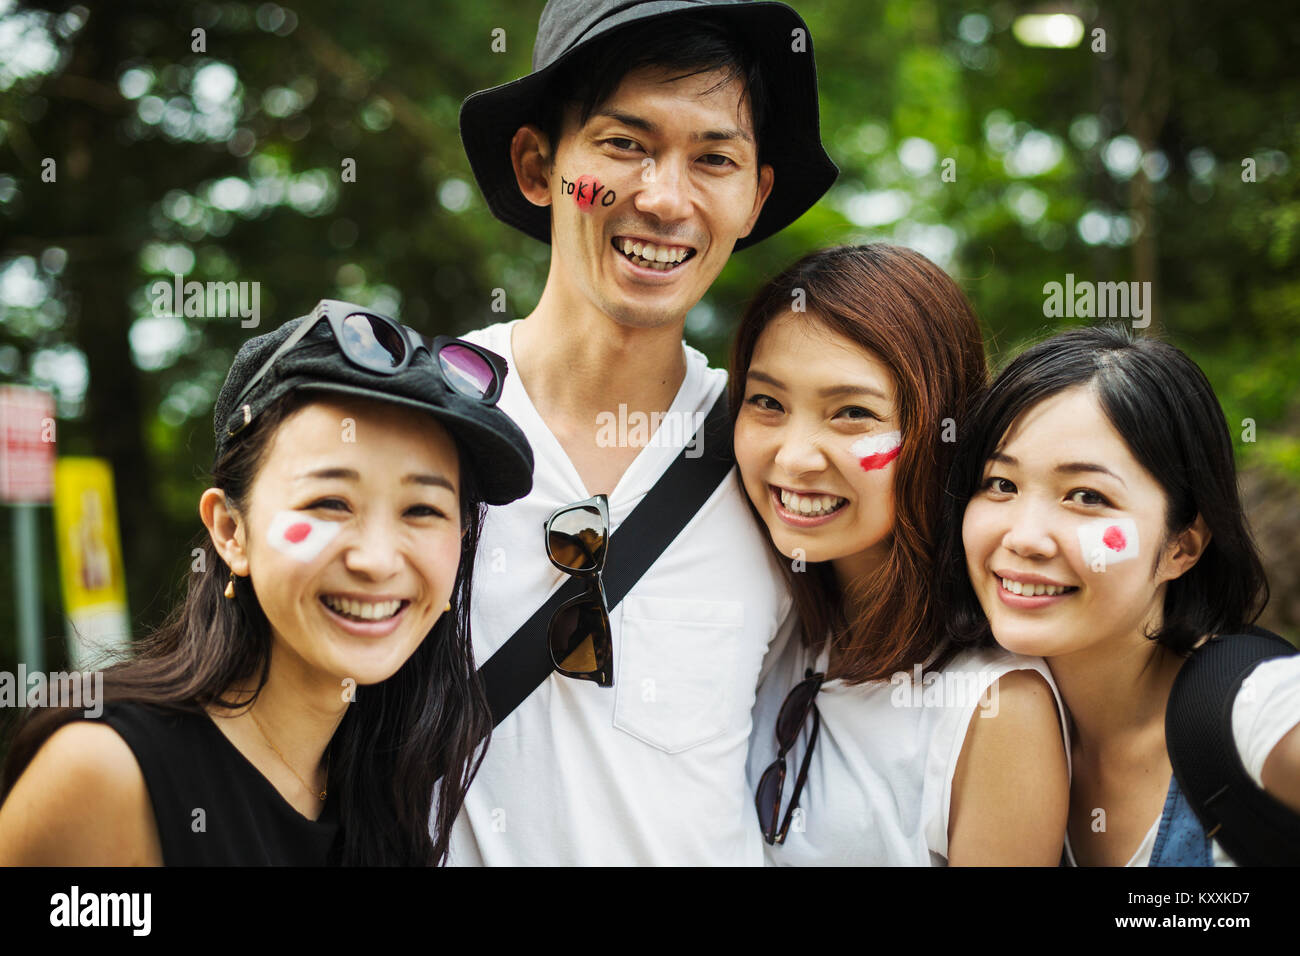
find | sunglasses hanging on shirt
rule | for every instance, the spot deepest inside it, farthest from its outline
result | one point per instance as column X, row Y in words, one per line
column 579, row 636
column 771, row 786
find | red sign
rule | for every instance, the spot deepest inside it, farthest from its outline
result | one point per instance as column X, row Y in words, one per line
column 26, row 444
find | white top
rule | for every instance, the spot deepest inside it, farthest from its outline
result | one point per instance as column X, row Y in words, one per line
column 652, row 770
column 1265, row 709
column 880, row 781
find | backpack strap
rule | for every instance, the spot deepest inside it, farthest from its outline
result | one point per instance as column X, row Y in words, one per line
column 1253, row 827
column 523, row 663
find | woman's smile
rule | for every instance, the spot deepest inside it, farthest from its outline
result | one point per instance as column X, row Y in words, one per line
column 806, row 510
column 1026, row 596
column 373, row 617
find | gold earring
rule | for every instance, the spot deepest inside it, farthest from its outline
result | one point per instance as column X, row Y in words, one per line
column 230, row 586
column 447, row 608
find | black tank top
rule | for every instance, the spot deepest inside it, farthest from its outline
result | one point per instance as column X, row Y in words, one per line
column 212, row 806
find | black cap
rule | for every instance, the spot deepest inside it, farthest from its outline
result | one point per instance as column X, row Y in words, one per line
column 500, row 455
column 790, row 139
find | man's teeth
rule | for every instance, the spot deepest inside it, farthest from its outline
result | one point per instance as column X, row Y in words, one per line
column 366, row 612
column 1032, row 590
column 810, row 504
column 655, row 257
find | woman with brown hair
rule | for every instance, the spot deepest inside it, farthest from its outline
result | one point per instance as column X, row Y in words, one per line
column 851, row 374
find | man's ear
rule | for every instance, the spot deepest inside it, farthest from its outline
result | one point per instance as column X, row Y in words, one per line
column 226, row 529
column 1184, row 550
column 531, row 156
column 766, row 177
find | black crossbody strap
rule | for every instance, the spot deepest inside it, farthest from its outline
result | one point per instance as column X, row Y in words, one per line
column 1253, row 827
column 523, row 663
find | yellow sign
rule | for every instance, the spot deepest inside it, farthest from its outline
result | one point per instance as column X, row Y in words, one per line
column 90, row 553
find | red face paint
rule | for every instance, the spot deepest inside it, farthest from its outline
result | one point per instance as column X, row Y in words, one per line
column 1108, row 540
column 876, row 451
column 1113, row 538
column 300, row 536
column 587, row 192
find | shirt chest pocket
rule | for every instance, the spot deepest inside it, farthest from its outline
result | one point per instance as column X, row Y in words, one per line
column 675, row 670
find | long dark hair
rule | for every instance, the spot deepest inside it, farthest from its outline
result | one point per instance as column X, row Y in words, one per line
column 1165, row 410
column 400, row 739
column 900, row 306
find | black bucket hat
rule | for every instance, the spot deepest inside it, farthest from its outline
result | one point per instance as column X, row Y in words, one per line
column 790, row 139
column 500, row 455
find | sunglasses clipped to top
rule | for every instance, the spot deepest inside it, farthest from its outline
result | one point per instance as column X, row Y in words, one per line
column 378, row 344
column 799, row 703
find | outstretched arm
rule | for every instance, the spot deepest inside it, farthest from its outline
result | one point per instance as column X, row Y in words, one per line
column 1281, row 775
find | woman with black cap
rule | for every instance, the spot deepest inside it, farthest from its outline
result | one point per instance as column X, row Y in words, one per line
column 315, row 694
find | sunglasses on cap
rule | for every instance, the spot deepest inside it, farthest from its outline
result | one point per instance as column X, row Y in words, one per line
column 578, row 635
column 378, row 344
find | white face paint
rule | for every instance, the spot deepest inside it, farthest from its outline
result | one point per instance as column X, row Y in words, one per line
column 876, row 451
column 1108, row 541
column 300, row 536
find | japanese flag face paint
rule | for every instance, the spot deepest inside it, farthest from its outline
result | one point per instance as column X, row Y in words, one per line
column 874, row 452
column 1108, row 541
column 300, row 536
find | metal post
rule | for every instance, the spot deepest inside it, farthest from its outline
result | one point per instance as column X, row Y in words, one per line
column 27, row 586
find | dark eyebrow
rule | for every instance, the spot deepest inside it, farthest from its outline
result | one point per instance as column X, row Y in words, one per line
column 1087, row 467
column 641, row 123
column 345, row 473
column 432, row 480
column 349, row 474
column 831, row 391
column 764, row 377
column 834, row 391
column 1066, row 468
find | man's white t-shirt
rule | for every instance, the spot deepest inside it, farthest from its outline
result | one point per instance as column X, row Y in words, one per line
column 879, row 783
column 652, row 770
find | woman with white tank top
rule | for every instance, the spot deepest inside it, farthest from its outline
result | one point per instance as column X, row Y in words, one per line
column 874, row 743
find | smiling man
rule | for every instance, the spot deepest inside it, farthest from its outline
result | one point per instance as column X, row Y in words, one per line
column 650, row 141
